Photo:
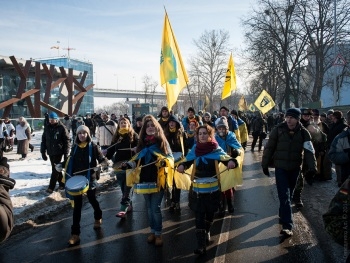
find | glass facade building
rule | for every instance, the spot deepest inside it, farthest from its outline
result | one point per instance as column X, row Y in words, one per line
column 87, row 105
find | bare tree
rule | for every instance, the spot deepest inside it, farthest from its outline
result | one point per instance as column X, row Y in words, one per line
column 317, row 19
column 209, row 65
column 275, row 46
column 149, row 87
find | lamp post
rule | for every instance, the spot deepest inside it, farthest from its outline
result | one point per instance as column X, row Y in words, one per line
column 135, row 81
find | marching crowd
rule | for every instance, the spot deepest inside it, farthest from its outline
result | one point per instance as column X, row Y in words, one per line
column 202, row 153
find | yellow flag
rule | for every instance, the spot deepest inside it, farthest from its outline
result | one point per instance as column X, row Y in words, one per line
column 242, row 104
column 264, row 102
column 206, row 102
column 173, row 74
column 230, row 80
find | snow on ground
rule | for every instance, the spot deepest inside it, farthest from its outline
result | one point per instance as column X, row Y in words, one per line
column 32, row 175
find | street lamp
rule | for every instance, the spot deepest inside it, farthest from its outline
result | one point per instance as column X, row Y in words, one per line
column 135, row 81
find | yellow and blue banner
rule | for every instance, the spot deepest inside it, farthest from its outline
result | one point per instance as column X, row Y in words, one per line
column 173, row 75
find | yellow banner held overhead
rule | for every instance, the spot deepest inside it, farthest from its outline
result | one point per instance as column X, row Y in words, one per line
column 206, row 102
column 173, row 74
column 264, row 102
column 230, row 80
column 242, row 104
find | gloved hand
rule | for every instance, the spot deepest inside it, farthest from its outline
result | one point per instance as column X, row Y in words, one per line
column 266, row 171
column 162, row 163
column 44, row 156
column 309, row 176
column 235, row 153
column 125, row 166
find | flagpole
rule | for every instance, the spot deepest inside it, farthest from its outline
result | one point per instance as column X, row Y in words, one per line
column 189, row 94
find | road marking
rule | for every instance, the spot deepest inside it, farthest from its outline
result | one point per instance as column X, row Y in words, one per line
column 223, row 240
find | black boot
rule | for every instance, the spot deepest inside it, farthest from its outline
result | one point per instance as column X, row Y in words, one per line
column 31, row 147
column 222, row 207
column 201, row 236
column 230, row 207
column 208, row 225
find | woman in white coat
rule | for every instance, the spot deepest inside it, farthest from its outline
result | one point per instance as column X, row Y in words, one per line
column 23, row 136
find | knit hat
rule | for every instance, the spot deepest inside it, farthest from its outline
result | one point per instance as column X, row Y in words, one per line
column 315, row 112
column 207, row 114
column 294, row 112
column 139, row 118
column 83, row 128
column 305, row 111
column 222, row 122
column 337, row 114
column 191, row 109
column 234, row 112
column 53, row 115
column 331, row 111
column 324, row 115
column 174, row 119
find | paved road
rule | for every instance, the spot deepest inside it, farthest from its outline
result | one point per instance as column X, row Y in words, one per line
column 250, row 235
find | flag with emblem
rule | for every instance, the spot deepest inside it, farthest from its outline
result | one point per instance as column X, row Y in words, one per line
column 230, row 80
column 264, row 102
column 173, row 75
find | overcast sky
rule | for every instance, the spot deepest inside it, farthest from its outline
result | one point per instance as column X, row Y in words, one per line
column 121, row 38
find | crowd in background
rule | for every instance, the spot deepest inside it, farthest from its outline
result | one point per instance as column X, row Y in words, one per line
column 225, row 129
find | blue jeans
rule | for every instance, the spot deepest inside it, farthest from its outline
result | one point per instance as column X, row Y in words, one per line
column 285, row 182
column 153, row 202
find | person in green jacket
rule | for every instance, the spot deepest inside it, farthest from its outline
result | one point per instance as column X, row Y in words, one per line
column 288, row 144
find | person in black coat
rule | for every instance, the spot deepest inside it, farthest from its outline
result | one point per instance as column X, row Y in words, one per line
column 55, row 142
column 123, row 143
column 83, row 161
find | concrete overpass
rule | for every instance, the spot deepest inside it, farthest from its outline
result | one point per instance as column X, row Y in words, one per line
column 131, row 94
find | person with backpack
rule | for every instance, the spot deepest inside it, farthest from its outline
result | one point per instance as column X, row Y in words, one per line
column 289, row 143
